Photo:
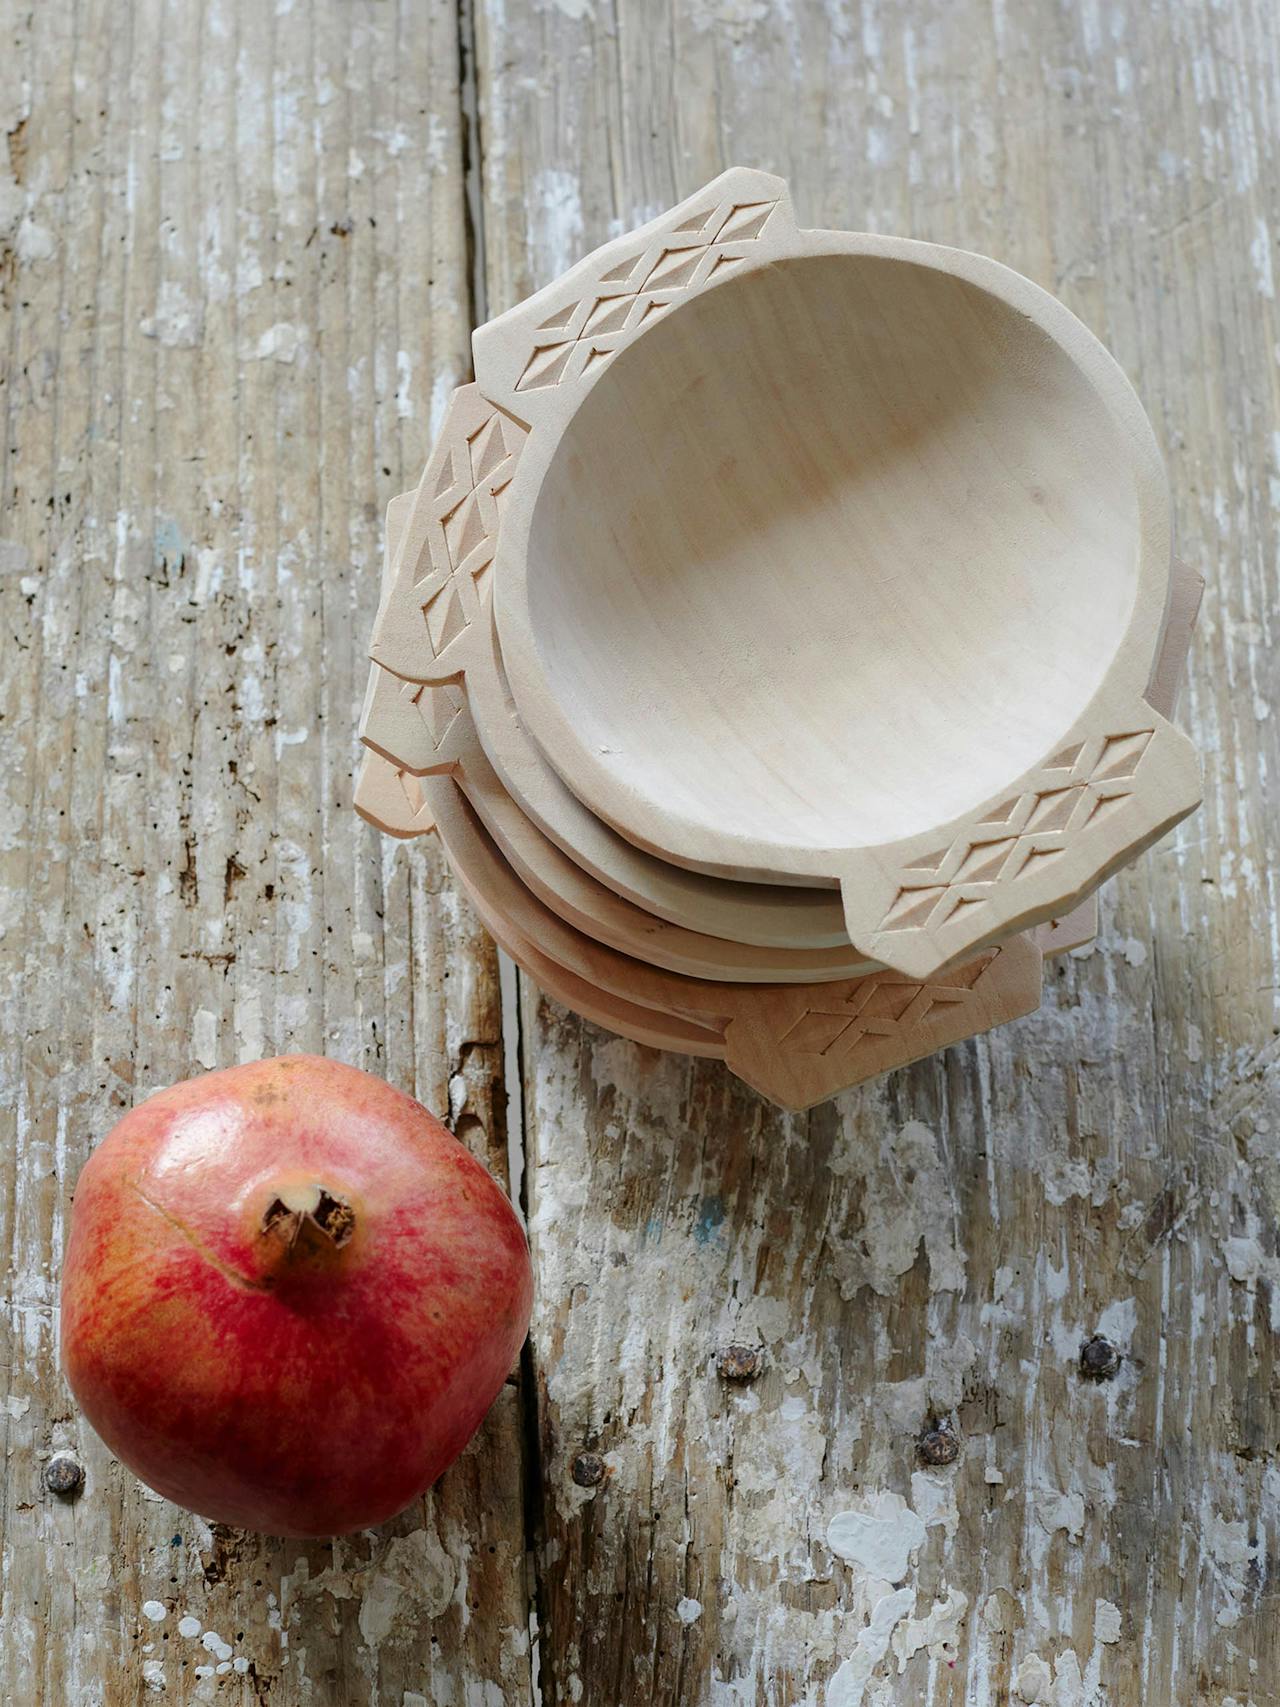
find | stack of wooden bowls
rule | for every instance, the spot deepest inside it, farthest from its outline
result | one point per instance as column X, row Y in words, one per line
column 782, row 641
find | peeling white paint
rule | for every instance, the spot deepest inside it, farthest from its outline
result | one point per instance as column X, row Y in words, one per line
column 177, row 321
column 1033, row 1680
column 280, row 342
column 408, row 1578
column 938, row 1631
column 1234, row 1553
column 247, row 1024
column 555, row 222
column 1107, row 1622
column 404, row 386
column 1055, row 1510
column 849, row 1682
column 908, row 1201
column 35, row 242
column 204, row 1038
column 880, row 1539
column 1260, row 255
column 1246, row 1261
column 934, row 1499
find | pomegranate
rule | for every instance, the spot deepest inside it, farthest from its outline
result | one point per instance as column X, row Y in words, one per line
column 289, row 1296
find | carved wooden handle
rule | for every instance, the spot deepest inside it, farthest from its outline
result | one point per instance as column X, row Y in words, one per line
column 411, row 726
column 425, row 625
column 428, row 624
column 1119, row 783
column 412, row 723
column 801, row 1052
column 531, row 359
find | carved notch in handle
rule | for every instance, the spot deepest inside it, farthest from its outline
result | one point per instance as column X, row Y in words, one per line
column 390, row 799
column 429, row 621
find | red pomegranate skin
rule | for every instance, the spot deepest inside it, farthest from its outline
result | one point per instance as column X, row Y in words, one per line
column 289, row 1296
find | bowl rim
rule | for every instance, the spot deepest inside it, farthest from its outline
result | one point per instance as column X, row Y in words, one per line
column 718, row 850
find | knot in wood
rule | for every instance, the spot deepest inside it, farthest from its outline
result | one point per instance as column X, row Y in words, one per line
column 1099, row 1359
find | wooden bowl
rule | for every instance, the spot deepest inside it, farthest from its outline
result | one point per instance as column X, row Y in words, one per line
column 836, row 558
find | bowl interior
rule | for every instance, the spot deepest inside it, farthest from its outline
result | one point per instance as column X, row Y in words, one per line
column 833, row 553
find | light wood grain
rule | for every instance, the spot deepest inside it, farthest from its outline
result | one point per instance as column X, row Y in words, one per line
column 235, row 268
column 797, row 1044
column 425, row 731
column 942, row 1244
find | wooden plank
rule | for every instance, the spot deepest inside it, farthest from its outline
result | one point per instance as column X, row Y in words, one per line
column 939, row 1245
column 234, row 263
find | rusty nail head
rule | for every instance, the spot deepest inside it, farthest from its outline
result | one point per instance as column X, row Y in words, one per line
column 739, row 1362
column 64, row 1475
column 1099, row 1358
column 938, row 1446
column 588, row 1470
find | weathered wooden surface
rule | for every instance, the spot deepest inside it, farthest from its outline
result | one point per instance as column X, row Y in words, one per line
column 940, row 1244
column 234, row 266
column 236, row 273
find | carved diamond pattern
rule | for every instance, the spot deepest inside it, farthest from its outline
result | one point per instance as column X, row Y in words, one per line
column 1079, row 786
column 414, row 793
column 885, row 1004
column 445, row 618
column 411, row 723
column 460, row 500
column 577, row 338
column 438, row 707
column 817, row 1031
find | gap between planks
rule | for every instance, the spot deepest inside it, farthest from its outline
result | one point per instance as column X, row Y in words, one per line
column 509, row 975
